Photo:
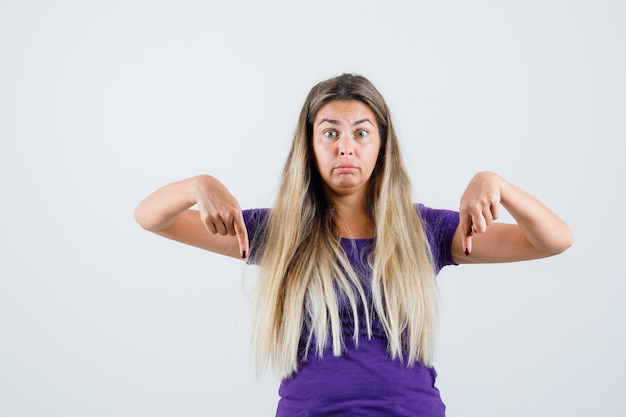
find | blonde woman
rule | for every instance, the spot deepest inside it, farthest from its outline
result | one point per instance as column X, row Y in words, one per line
column 347, row 310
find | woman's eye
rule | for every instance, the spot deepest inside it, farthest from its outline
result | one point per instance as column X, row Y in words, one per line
column 361, row 133
column 330, row 134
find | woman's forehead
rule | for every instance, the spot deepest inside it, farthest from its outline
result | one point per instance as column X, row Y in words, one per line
column 345, row 111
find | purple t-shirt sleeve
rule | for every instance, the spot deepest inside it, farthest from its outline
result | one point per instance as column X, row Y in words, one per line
column 440, row 226
column 256, row 221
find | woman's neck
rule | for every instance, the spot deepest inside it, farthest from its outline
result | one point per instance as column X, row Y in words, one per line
column 353, row 220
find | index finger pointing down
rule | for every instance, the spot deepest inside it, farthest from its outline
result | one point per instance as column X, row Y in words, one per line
column 242, row 236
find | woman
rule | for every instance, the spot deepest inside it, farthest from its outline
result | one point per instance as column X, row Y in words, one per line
column 347, row 300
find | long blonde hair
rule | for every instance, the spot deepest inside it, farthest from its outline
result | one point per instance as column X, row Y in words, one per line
column 302, row 265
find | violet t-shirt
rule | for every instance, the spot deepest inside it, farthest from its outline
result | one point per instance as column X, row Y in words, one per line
column 363, row 380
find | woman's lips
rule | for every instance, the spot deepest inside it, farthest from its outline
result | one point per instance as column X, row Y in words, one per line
column 345, row 169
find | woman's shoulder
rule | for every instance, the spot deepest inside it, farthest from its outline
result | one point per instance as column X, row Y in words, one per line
column 256, row 223
column 255, row 219
column 255, row 214
column 432, row 215
column 440, row 226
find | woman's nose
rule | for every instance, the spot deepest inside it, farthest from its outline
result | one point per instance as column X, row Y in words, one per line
column 345, row 145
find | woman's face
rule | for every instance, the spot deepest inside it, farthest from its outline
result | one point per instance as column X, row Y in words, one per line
column 346, row 143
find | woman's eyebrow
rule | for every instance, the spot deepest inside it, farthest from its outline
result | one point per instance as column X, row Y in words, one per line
column 331, row 121
column 335, row 122
column 358, row 122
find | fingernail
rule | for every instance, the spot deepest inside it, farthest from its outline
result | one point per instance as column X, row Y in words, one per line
column 243, row 254
column 467, row 252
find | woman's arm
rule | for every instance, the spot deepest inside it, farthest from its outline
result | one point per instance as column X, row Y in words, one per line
column 538, row 233
column 217, row 225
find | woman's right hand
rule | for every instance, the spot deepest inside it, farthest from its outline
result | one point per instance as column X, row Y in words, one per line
column 217, row 225
column 219, row 210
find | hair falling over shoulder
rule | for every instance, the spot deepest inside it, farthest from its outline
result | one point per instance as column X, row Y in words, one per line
column 303, row 265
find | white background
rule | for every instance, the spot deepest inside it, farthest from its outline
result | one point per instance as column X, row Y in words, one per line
column 102, row 102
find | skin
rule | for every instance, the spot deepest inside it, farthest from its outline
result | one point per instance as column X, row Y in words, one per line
column 345, row 145
column 217, row 225
column 538, row 232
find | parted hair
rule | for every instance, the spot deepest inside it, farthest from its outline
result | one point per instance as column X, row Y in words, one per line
column 303, row 267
